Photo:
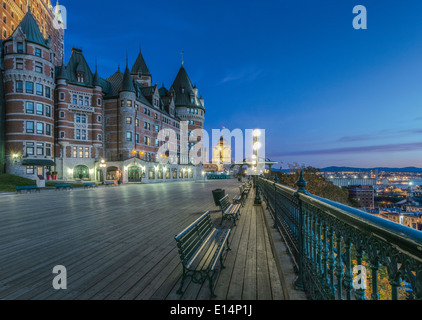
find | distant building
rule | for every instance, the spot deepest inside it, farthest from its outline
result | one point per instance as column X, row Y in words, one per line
column 362, row 194
column 346, row 182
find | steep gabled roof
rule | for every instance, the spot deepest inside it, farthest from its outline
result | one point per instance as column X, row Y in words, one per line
column 140, row 66
column 127, row 83
column 77, row 63
column 30, row 28
column 183, row 89
column 115, row 83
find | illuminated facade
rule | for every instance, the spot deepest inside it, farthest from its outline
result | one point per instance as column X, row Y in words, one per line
column 65, row 118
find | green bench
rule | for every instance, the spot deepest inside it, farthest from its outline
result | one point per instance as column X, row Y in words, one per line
column 201, row 246
column 229, row 211
column 62, row 186
column 28, row 188
column 89, row 185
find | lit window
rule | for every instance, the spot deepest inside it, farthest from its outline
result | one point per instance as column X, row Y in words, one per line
column 81, row 77
column 129, row 120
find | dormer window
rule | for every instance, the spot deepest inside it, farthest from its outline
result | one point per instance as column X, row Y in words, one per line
column 182, row 89
column 81, row 77
column 140, row 75
column 20, row 47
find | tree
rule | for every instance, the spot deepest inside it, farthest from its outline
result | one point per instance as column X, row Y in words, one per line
column 317, row 184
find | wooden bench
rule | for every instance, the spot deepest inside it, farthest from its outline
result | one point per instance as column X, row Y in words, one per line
column 63, row 186
column 200, row 246
column 229, row 211
column 109, row 183
column 28, row 188
column 89, row 185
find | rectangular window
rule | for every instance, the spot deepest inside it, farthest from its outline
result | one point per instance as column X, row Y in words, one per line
column 87, row 101
column 48, row 150
column 40, row 90
column 137, row 122
column 122, row 103
column 29, row 87
column 81, row 152
column 83, row 118
column 48, row 129
column 83, row 134
column 62, row 115
column 29, row 148
column 62, row 96
column 62, row 134
column 129, row 120
column 75, row 99
column 47, row 111
column 19, row 86
column 40, row 149
column 47, row 92
column 40, row 128
column 129, row 103
column 30, row 170
column 40, row 109
column 128, row 136
column 137, row 138
column 38, row 52
column 29, row 107
column 78, row 134
column 75, row 152
column 20, row 47
column 99, row 102
column 81, row 100
column 38, row 67
column 19, row 64
column 86, row 152
column 30, row 127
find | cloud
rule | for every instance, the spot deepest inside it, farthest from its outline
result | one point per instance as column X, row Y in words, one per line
column 245, row 74
column 399, row 147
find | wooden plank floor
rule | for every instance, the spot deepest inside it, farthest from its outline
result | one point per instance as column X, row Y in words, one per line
column 118, row 243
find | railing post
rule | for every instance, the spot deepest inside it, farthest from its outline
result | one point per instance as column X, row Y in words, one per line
column 301, row 183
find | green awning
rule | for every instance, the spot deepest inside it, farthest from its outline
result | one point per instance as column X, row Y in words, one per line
column 38, row 162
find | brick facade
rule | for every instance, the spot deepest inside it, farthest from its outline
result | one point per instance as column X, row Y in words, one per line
column 65, row 118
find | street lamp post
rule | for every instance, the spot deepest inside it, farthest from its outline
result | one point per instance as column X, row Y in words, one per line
column 103, row 167
column 255, row 160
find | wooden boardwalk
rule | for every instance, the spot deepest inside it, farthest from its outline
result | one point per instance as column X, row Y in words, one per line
column 118, row 243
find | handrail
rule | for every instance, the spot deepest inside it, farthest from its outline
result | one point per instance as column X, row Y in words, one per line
column 328, row 240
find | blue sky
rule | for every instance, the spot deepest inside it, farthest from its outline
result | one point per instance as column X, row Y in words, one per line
column 325, row 93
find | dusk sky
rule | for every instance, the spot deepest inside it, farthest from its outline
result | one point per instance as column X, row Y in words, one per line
column 325, row 93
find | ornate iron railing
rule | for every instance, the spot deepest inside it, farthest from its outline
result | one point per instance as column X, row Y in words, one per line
column 333, row 246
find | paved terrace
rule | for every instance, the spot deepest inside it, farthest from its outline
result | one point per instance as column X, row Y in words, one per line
column 118, row 243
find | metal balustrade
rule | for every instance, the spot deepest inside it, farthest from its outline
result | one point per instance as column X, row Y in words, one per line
column 340, row 252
